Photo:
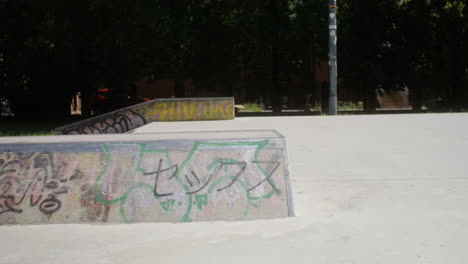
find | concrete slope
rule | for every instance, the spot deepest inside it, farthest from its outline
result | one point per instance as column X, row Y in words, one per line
column 168, row 109
column 368, row 189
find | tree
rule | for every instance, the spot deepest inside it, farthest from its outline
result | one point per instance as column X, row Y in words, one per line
column 421, row 44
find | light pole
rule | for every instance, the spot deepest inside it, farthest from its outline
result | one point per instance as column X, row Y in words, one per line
column 332, row 63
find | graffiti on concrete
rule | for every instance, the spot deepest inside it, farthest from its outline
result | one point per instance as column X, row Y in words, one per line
column 44, row 182
column 119, row 122
column 129, row 182
column 188, row 110
column 154, row 111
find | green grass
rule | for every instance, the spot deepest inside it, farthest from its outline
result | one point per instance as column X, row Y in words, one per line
column 28, row 127
column 25, row 132
column 316, row 108
column 252, row 106
column 342, row 105
column 348, row 105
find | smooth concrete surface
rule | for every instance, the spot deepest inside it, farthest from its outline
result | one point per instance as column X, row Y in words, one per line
column 156, row 177
column 165, row 109
column 368, row 189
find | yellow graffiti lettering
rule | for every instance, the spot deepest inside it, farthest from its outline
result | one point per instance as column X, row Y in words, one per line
column 167, row 113
column 207, row 113
column 179, row 110
column 220, row 111
column 189, row 109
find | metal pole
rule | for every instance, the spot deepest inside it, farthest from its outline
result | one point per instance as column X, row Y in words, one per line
column 332, row 63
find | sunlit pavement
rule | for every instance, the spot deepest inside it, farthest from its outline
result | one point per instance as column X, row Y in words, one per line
column 367, row 189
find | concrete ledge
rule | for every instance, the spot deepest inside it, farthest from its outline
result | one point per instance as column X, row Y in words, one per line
column 191, row 176
column 171, row 109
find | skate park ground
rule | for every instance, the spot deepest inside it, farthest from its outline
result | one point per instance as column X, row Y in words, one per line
column 367, row 189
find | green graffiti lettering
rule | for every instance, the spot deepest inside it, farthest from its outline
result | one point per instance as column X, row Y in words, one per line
column 201, row 200
column 167, row 205
column 189, row 199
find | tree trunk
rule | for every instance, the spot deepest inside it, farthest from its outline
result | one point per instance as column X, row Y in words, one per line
column 369, row 99
column 276, row 96
column 415, row 96
column 179, row 87
column 309, row 78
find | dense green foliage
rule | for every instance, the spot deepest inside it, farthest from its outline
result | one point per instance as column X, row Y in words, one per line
column 418, row 43
column 50, row 49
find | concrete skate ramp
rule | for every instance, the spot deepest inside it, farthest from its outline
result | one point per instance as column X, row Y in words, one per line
column 172, row 109
column 191, row 176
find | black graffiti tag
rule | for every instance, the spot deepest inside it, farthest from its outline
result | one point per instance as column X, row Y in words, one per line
column 43, row 188
column 119, row 122
column 268, row 177
column 158, row 173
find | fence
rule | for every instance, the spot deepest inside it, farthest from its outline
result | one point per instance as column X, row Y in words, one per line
column 383, row 101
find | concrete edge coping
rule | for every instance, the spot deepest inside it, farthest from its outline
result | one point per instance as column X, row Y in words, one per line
column 153, row 136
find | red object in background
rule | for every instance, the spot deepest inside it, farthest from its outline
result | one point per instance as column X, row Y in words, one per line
column 101, row 97
column 107, row 100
